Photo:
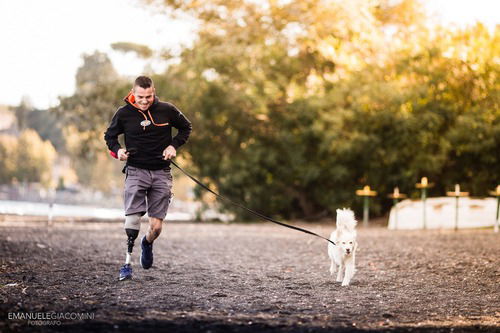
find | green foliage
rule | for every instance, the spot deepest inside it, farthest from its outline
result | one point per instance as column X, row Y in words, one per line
column 48, row 126
column 85, row 116
column 22, row 111
column 8, row 145
column 140, row 50
column 295, row 106
column 27, row 158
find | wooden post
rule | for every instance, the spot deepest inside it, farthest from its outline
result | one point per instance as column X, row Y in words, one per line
column 424, row 185
column 366, row 193
column 457, row 194
column 395, row 196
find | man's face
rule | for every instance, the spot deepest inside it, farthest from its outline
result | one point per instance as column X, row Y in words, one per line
column 144, row 97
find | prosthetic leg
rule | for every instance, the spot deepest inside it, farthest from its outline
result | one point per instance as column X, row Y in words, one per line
column 132, row 226
column 132, row 235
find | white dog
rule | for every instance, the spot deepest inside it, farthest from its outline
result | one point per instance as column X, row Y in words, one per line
column 343, row 253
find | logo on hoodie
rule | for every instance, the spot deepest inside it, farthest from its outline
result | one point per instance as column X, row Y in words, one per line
column 145, row 123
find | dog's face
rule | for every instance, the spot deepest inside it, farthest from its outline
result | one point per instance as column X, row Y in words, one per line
column 347, row 244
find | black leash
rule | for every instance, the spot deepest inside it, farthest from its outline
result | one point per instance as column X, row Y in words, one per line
column 247, row 209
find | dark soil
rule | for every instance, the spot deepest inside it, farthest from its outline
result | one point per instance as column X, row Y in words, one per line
column 247, row 278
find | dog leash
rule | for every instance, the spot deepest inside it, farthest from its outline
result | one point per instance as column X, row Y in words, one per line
column 237, row 204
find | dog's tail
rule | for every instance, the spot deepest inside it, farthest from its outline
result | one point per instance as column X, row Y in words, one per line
column 346, row 220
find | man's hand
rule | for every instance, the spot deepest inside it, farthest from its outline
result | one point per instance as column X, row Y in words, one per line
column 169, row 153
column 122, row 154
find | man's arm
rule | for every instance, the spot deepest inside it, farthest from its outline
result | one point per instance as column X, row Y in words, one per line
column 111, row 137
column 183, row 126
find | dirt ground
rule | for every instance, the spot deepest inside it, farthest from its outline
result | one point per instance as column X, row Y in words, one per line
column 246, row 278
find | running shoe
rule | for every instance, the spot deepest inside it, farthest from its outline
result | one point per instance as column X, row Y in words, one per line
column 125, row 272
column 147, row 254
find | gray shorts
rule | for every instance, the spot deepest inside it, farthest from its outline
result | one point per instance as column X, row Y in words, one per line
column 147, row 191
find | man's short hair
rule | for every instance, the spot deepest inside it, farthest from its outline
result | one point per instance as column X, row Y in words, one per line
column 143, row 82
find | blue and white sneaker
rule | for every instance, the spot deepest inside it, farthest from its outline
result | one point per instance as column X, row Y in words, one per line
column 147, row 253
column 125, row 272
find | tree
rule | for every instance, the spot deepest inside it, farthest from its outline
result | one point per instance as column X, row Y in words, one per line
column 297, row 104
column 85, row 116
column 270, row 85
column 27, row 158
column 141, row 51
column 8, row 145
column 22, row 111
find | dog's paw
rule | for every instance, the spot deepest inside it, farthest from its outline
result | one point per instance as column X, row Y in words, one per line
column 345, row 283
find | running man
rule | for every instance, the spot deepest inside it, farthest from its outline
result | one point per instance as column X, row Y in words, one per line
column 146, row 124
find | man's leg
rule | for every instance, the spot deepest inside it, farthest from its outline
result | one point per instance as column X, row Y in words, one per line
column 136, row 185
column 132, row 226
column 159, row 196
column 154, row 230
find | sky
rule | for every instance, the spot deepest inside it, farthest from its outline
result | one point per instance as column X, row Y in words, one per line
column 43, row 41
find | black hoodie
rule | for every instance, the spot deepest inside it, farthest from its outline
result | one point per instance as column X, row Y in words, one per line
column 148, row 133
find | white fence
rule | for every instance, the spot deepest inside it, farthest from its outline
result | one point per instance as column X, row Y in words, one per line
column 440, row 213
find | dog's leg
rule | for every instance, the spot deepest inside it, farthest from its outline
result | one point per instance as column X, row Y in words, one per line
column 333, row 267
column 349, row 271
column 339, row 273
